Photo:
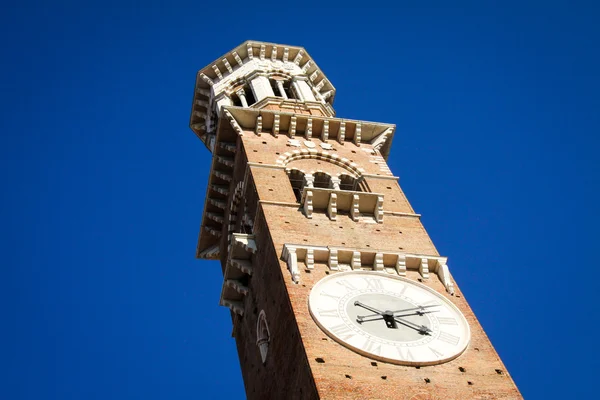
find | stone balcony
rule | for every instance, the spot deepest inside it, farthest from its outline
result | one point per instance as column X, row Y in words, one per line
column 332, row 201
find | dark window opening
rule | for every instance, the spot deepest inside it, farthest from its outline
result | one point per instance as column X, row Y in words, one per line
column 347, row 182
column 250, row 96
column 297, row 181
column 322, row 180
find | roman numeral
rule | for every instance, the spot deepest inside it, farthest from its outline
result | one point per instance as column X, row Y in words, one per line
column 405, row 354
column 330, row 295
column 328, row 313
column 346, row 284
column 342, row 331
column 435, row 351
column 447, row 321
column 404, row 287
column 374, row 283
column 448, row 338
column 372, row 347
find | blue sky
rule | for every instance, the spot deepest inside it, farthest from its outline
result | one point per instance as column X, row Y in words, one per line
column 496, row 107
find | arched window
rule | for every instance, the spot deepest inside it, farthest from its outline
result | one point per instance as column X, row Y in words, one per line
column 297, row 181
column 322, row 180
column 243, row 96
column 281, row 88
column 348, row 182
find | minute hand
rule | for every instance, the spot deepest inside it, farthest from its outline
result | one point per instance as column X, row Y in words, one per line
column 415, row 308
column 421, row 328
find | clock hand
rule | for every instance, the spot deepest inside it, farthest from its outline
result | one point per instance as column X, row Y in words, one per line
column 419, row 309
column 415, row 313
column 361, row 319
column 358, row 303
column 422, row 329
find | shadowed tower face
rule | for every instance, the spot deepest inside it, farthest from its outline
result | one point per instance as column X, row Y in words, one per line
column 334, row 287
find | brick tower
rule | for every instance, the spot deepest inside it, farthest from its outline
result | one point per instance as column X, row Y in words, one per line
column 334, row 287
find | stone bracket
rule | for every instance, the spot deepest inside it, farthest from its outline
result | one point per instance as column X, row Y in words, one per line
column 291, row 258
column 238, row 268
column 344, row 258
column 329, row 200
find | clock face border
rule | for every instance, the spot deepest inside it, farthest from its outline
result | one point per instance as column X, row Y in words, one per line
column 313, row 293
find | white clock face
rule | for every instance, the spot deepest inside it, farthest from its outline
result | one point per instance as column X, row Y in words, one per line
column 389, row 318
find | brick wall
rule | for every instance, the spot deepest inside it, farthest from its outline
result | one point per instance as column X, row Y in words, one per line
column 302, row 359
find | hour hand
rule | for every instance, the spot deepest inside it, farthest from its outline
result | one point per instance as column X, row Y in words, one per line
column 376, row 311
column 422, row 329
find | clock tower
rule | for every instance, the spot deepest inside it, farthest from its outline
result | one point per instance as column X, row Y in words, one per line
column 334, row 287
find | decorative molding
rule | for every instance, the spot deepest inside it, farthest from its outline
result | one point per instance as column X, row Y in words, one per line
column 334, row 158
column 217, row 71
column 378, row 262
column 354, row 211
column 206, row 79
column 306, row 66
column 424, row 268
column 262, row 52
column 292, row 129
column 334, row 200
column 325, row 132
column 203, row 92
column 237, row 58
column 333, row 260
column 385, row 262
column 237, row 268
column 308, row 205
column 276, row 123
column 342, row 133
column 356, row 262
column 320, row 85
column 308, row 131
column 310, row 258
column 291, row 258
column 380, row 140
column 332, row 207
column 227, row 65
column 298, row 57
column 274, row 53
column 401, row 265
column 444, row 273
column 357, row 134
column 379, row 210
column 258, row 129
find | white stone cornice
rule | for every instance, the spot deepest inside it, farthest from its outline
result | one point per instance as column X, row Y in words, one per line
column 291, row 258
column 217, row 71
column 237, row 58
column 400, row 262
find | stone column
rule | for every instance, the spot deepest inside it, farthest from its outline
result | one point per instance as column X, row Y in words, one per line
column 335, row 183
column 242, row 95
column 281, row 89
column 309, row 180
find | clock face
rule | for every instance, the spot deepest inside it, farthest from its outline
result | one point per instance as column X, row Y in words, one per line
column 389, row 318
